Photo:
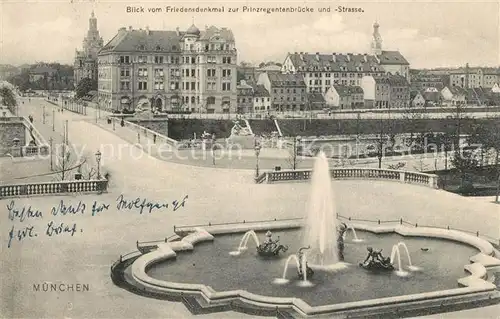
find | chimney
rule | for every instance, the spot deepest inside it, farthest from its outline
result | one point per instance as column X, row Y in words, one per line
column 365, row 57
column 302, row 56
column 348, row 57
column 177, row 31
column 147, row 30
column 317, row 56
column 130, row 28
column 334, row 57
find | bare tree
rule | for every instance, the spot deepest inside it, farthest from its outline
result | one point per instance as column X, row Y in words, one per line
column 293, row 158
column 64, row 162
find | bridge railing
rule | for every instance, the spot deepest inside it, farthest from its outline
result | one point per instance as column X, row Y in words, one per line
column 54, row 188
column 418, row 178
column 159, row 139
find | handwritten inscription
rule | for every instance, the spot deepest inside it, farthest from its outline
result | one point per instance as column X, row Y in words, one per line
column 19, row 215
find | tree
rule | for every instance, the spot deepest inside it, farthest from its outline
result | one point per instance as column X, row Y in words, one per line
column 488, row 138
column 64, row 162
column 294, row 152
column 465, row 162
column 85, row 86
column 8, row 96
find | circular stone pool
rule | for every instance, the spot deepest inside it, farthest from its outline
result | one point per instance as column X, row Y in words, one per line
column 440, row 262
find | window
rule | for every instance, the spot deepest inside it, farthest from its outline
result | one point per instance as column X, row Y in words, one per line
column 143, row 72
column 226, row 60
column 226, row 86
column 159, row 85
column 158, row 59
column 226, row 73
column 193, row 60
column 211, row 86
column 142, row 85
column 124, row 72
column 193, row 86
column 158, row 72
column 193, row 74
column 142, row 59
column 125, row 59
column 124, row 85
column 211, row 59
column 210, row 72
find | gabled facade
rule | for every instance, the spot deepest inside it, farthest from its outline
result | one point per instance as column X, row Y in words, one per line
column 453, row 96
column 388, row 91
column 191, row 70
column 288, row 91
column 345, row 97
column 245, row 97
column 261, row 99
column 417, row 99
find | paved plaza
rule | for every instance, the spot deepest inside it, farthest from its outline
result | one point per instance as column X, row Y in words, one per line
column 214, row 195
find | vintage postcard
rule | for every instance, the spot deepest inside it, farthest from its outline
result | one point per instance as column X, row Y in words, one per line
column 241, row 159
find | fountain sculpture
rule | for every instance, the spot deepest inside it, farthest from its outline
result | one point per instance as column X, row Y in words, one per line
column 321, row 220
column 269, row 248
column 396, row 253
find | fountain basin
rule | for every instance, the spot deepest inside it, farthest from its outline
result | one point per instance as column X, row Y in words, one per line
column 157, row 271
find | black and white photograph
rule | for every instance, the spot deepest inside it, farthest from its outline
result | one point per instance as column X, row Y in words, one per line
column 249, row 159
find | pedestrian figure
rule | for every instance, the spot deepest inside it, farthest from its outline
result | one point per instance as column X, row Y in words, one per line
column 122, row 122
column 31, row 118
column 154, row 138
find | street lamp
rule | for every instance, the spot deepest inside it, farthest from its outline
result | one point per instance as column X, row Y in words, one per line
column 257, row 153
column 98, row 159
column 53, row 120
column 43, row 114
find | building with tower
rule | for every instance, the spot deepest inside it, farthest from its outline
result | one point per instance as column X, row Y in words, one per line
column 321, row 71
column 85, row 65
column 190, row 70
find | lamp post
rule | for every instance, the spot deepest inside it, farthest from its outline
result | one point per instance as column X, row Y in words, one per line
column 51, row 152
column 53, row 120
column 257, row 153
column 98, row 159
column 43, row 114
column 113, row 123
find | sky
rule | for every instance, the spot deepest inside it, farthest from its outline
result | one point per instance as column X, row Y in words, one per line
column 428, row 33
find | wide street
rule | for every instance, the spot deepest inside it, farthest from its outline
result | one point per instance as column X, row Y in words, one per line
column 214, row 195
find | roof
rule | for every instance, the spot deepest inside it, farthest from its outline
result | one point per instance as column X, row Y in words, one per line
column 159, row 41
column 345, row 90
column 413, row 94
column 243, row 85
column 392, row 80
column 193, row 30
column 315, row 98
column 431, row 96
column 272, row 67
column 334, row 62
column 281, row 79
column 392, row 58
column 260, row 90
column 456, row 90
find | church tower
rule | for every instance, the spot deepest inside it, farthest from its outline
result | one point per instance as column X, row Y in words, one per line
column 85, row 65
column 377, row 40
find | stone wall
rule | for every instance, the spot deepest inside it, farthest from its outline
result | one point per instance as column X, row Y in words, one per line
column 160, row 126
column 8, row 132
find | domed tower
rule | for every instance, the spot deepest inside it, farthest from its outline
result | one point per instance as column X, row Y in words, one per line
column 377, row 40
column 193, row 31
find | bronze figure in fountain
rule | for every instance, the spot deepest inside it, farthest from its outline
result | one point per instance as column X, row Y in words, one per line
column 270, row 247
column 300, row 271
column 375, row 261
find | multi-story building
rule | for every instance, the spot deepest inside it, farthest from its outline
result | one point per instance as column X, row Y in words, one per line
column 388, row 91
column 321, row 71
column 475, row 77
column 288, row 91
column 345, row 97
column 454, row 96
column 85, row 65
column 170, row 70
column 422, row 80
column 261, row 99
column 245, row 97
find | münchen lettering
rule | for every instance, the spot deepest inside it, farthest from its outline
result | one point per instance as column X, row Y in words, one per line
column 61, row 287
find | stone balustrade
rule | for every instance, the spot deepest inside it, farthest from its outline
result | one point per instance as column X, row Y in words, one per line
column 54, row 188
column 353, row 173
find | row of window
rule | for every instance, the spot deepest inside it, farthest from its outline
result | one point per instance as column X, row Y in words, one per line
column 125, row 72
column 157, row 59
column 340, row 75
column 250, row 99
column 187, row 86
